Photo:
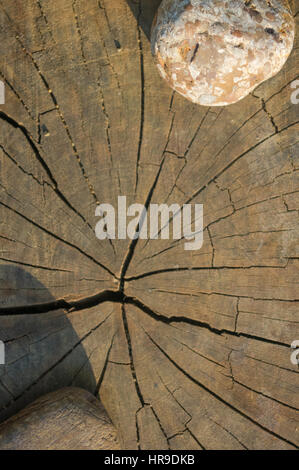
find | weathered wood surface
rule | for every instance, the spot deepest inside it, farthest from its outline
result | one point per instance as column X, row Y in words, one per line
column 187, row 350
column 69, row 419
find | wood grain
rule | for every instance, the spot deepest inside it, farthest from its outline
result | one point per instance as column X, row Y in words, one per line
column 186, row 350
column 69, row 419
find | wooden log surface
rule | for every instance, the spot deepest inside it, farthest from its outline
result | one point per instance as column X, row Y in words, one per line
column 186, row 349
column 69, row 419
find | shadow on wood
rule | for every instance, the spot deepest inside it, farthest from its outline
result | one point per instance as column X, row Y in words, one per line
column 43, row 352
column 144, row 12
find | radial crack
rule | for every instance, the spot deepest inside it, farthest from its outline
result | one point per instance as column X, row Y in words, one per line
column 217, row 396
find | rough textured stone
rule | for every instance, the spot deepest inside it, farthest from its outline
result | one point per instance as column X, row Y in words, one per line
column 216, row 52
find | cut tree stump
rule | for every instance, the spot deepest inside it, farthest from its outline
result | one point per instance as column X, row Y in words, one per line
column 186, row 349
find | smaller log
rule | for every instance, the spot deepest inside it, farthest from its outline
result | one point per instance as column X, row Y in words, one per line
column 69, row 419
